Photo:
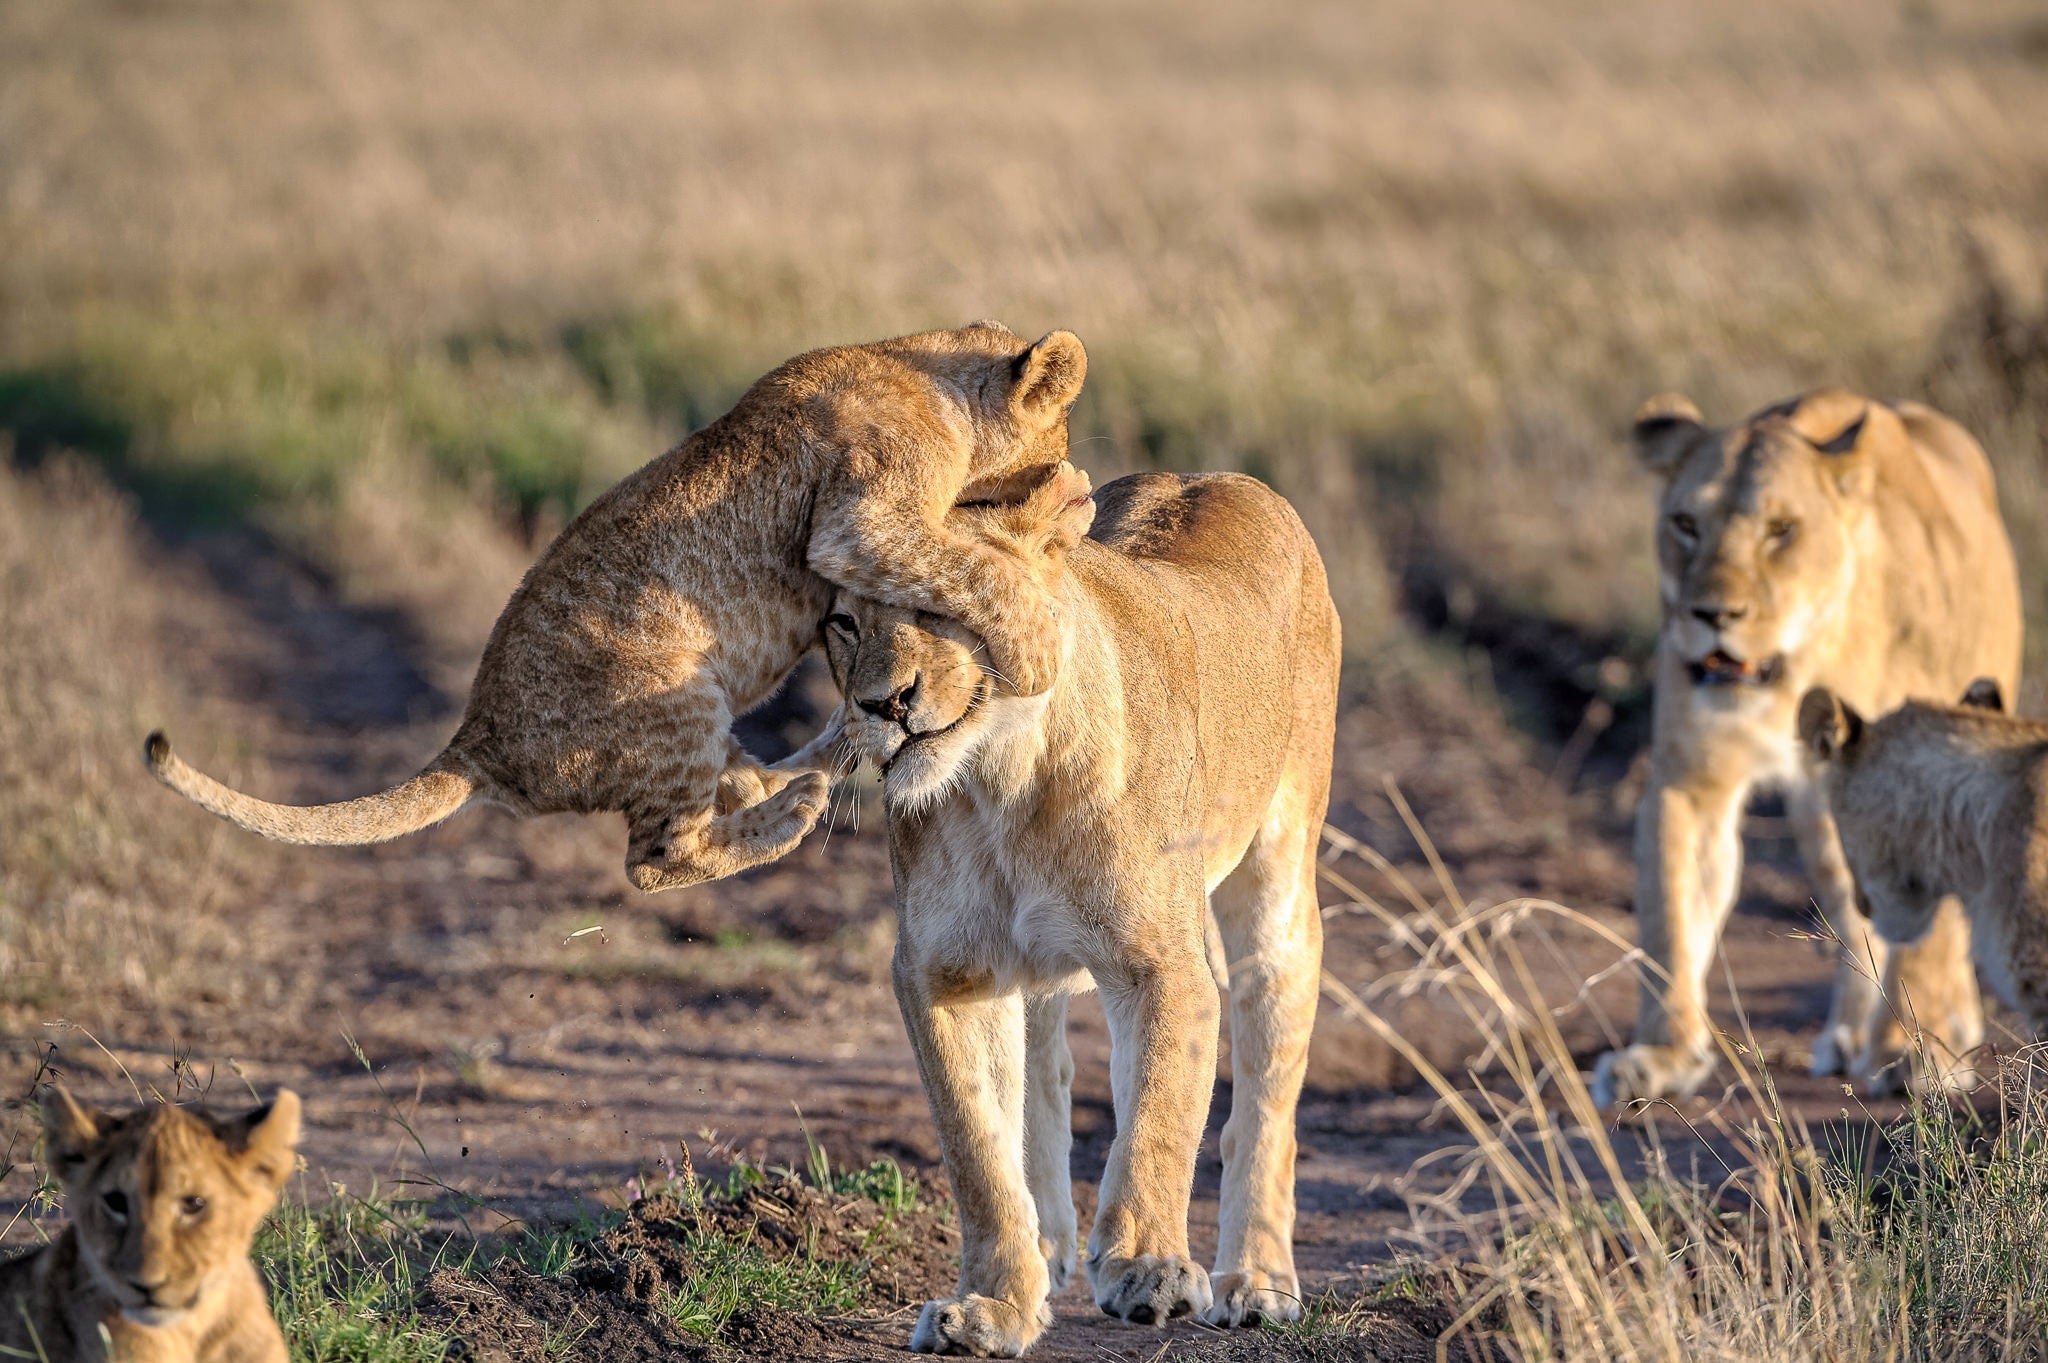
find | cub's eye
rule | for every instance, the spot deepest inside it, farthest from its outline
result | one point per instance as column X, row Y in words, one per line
column 842, row 622
column 116, row 1203
column 1782, row 532
column 1684, row 526
column 192, row 1206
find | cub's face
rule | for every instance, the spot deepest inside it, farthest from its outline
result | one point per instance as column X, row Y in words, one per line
column 1756, row 534
column 165, row 1201
column 918, row 698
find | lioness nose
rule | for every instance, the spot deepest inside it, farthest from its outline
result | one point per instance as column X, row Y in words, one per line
column 894, row 707
column 1719, row 613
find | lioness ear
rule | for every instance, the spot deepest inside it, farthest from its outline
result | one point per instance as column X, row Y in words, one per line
column 1827, row 726
column 1047, row 378
column 68, row 1129
column 1664, row 429
column 267, row 1140
column 1984, row 694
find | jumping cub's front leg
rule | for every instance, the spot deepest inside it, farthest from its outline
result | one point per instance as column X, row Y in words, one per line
column 971, row 1056
column 1162, row 1011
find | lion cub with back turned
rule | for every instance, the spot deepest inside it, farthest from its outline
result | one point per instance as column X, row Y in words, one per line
column 154, row 1267
column 1946, row 799
column 684, row 595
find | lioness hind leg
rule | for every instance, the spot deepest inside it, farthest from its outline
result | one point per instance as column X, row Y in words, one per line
column 1273, row 944
column 1049, row 1133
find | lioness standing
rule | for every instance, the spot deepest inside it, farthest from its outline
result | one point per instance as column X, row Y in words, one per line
column 684, row 595
column 1180, row 763
column 163, row 1205
column 1832, row 541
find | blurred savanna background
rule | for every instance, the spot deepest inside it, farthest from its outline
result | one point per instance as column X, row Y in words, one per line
column 318, row 317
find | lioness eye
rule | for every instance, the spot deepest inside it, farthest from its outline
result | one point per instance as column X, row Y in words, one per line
column 192, row 1206
column 116, row 1203
column 840, row 621
column 1782, row 531
column 1685, row 526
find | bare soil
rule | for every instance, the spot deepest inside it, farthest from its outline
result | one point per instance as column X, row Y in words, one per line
column 458, row 1036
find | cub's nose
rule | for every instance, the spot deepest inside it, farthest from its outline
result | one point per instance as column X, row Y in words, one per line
column 1718, row 613
column 894, row 707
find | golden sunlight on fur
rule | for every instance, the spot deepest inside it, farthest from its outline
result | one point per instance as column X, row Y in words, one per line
column 1179, row 765
column 684, row 595
column 1829, row 540
column 164, row 1202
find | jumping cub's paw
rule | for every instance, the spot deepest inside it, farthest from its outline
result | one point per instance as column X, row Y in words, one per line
column 977, row 1327
column 1641, row 1074
column 1026, row 649
column 1253, row 1297
column 1064, row 499
column 1151, row 1288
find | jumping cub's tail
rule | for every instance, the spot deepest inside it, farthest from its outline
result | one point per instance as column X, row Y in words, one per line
column 407, row 807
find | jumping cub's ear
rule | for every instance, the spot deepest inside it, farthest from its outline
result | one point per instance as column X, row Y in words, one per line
column 1047, row 379
column 1827, row 726
column 266, row 1140
column 1984, row 694
column 68, row 1129
column 1664, row 429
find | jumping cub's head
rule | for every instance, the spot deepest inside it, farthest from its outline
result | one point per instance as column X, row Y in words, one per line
column 165, row 1200
column 919, row 696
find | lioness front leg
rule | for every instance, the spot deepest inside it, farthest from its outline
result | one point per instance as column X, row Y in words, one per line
column 1162, row 1012
column 971, row 1057
column 1688, row 861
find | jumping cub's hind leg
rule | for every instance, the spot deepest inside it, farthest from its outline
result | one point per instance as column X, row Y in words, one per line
column 689, row 827
column 1272, row 935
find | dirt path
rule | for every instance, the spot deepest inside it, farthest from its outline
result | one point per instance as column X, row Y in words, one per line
column 513, row 1062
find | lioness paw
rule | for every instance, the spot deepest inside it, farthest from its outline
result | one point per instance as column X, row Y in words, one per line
column 1253, row 1297
column 1640, row 1074
column 977, row 1327
column 1151, row 1288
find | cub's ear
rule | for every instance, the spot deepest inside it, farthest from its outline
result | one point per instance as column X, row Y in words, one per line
column 1827, row 726
column 1664, row 429
column 1984, row 694
column 266, row 1140
column 68, row 1129
column 1047, row 378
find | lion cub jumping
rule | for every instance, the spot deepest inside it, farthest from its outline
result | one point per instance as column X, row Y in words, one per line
column 682, row 597
column 1178, row 768
column 155, row 1262
column 1933, row 800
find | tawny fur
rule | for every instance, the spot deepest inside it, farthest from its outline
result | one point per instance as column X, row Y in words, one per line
column 1835, row 541
column 164, row 1203
column 682, row 597
column 1935, row 798
column 1180, row 764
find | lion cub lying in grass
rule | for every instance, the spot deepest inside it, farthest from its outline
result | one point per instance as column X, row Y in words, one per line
column 1934, row 800
column 155, row 1262
column 1179, row 764
column 684, row 595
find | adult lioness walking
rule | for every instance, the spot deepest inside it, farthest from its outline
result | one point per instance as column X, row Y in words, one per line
column 1827, row 541
column 1182, row 756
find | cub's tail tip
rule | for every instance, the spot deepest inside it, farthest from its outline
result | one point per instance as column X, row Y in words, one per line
column 156, row 750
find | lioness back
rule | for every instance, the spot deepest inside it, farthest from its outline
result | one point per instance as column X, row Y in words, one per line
column 164, row 1203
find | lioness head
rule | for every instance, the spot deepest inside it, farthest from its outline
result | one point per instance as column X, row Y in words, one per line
column 1879, row 797
column 1758, row 525
column 919, row 697
column 165, row 1201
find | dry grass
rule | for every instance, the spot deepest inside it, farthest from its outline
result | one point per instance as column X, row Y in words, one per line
column 1415, row 263
column 1736, row 1234
column 97, row 899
